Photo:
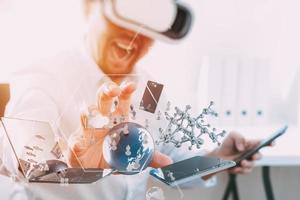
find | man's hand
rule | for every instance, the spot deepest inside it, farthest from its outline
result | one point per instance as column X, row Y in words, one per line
column 233, row 147
column 87, row 148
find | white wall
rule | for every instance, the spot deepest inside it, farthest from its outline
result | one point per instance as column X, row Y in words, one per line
column 35, row 29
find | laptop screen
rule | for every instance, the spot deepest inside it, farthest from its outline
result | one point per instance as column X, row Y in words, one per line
column 40, row 156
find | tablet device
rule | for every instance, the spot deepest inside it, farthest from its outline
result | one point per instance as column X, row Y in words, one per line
column 190, row 169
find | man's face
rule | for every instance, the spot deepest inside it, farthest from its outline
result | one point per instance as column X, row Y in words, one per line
column 115, row 49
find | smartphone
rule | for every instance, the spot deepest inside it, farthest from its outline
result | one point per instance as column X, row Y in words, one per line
column 190, row 169
column 151, row 96
column 266, row 142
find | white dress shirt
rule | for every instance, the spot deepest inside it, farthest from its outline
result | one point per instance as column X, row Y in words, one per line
column 55, row 91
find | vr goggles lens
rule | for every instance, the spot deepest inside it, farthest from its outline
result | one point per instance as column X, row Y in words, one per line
column 157, row 19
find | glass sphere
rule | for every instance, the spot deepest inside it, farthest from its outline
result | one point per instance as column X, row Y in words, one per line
column 128, row 148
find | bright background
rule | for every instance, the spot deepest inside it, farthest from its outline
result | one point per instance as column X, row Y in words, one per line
column 230, row 39
column 238, row 32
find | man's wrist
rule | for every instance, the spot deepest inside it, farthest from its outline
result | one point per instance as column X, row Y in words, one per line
column 214, row 153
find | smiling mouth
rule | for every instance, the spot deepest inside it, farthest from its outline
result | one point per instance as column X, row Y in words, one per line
column 122, row 50
column 125, row 47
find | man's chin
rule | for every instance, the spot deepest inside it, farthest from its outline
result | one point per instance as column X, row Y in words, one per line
column 112, row 65
column 118, row 69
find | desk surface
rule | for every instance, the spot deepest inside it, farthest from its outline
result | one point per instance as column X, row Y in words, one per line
column 286, row 152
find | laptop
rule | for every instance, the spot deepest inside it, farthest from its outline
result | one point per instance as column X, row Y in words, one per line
column 39, row 155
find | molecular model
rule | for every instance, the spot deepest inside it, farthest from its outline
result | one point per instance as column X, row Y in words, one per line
column 183, row 128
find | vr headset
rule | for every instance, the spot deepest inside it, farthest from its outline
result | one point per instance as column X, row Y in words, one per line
column 165, row 20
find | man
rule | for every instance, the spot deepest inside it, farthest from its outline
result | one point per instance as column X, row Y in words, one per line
column 101, row 72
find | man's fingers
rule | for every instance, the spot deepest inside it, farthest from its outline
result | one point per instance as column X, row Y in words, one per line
column 247, row 164
column 236, row 170
column 245, row 171
column 109, row 91
column 251, row 144
column 160, row 160
column 245, row 168
column 106, row 94
column 240, row 170
column 257, row 156
column 84, row 120
column 127, row 90
column 239, row 142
